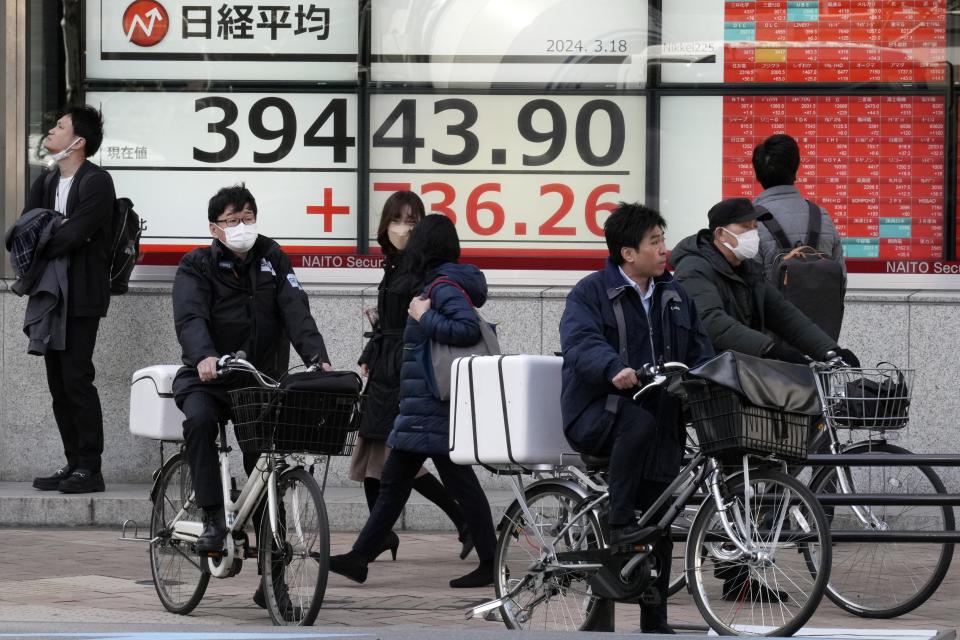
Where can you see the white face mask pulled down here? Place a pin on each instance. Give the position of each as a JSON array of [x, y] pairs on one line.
[[60, 155], [240, 238], [748, 244]]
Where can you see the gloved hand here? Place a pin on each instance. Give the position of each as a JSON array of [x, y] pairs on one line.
[[848, 357]]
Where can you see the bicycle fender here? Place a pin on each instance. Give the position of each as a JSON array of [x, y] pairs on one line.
[[562, 482], [158, 474]]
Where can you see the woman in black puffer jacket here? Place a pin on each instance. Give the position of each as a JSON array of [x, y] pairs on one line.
[[380, 364], [443, 312]]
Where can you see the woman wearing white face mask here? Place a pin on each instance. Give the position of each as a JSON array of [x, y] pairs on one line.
[[738, 307], [380, 364]]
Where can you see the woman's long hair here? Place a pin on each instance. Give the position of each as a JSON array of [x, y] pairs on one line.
[[393, 212], [434, 241]]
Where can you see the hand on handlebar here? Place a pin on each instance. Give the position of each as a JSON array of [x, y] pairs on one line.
[[207, 368], [626, 379]]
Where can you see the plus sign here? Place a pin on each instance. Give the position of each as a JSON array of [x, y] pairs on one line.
[[327, 210]]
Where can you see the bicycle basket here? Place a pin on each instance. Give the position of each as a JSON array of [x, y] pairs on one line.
[[729, 426], [281, 420], [876, 399]]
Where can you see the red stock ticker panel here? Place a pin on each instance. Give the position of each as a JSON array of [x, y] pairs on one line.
[[835, 41], [874, 162]]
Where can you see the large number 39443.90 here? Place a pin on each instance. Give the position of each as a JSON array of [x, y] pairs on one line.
[[487, 217]]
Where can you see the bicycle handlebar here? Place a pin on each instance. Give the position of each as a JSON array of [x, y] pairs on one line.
[[237, 362], [659, 375]]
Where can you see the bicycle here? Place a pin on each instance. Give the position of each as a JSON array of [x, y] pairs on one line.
[[554, 565], [293, 431], [874, 579], [871, 579]]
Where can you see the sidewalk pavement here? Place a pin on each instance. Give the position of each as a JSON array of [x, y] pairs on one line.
[[84, 575]]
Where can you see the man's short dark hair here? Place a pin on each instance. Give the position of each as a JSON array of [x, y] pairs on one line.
[[776, 161], [88, 124], [627, 225], [237, 195]]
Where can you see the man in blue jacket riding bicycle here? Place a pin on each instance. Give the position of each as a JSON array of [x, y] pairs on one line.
[[616, 320]]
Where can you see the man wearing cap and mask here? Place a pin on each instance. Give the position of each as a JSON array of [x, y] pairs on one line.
[[84, 194], [736, 304], [238, 294]]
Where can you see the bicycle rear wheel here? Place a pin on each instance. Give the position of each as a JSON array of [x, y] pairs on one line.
[[178, 575], [547, 600], [295, 573], [772, 595], [883, 579]]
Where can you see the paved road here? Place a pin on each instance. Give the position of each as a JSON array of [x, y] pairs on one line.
[[79, 576]]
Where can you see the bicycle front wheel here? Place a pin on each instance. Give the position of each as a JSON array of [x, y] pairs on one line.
[[885, 579], [775, 590], [294, 572], [546, 599], [178, 576]]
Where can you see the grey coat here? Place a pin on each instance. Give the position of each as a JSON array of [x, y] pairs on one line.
[[790, 209], [46, 282]]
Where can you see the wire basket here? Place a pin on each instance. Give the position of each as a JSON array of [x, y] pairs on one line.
[[729, 426], [877, 399], [279, 420]]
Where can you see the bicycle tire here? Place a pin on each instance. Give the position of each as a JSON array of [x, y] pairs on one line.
[[869, 596], [304, 560], [179, 576], [726, 591], [531, 609]]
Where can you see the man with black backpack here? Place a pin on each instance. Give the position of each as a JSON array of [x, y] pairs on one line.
[[800, 248], [84, 194]]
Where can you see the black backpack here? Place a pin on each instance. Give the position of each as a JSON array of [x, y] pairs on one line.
[[810, 279], [125, 248], [126, 228]]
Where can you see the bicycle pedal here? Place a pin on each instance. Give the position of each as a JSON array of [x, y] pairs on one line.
[[629, 548]]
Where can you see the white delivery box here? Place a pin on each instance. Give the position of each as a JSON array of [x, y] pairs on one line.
[[505, 412], [153, 413]]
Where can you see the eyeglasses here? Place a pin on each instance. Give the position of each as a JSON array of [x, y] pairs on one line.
[[232, 222]]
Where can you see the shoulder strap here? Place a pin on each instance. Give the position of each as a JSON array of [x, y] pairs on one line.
[[445, 280], [621, 328], [813, 231], [775, 229]]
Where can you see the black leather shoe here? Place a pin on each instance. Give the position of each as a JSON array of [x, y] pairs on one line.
[[350, 565], [632, 533], [466, 541], [214, 531], [52, 482], [482, 576], [291, 612], [82, 481], [662, 629], [752, 591]]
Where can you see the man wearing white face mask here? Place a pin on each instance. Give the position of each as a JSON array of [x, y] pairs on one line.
[[238, 294], [735, 302], [84, 194]]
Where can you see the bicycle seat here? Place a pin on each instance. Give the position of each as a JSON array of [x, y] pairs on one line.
[[595, 462]]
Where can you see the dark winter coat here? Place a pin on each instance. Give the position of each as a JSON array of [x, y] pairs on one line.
[[222, 305], [424, 421], [589, 337], [737, 305], [84, 236], [45, 281], [384, 351]]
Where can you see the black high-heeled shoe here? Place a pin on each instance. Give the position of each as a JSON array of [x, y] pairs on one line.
[[391, 542], [466, 541], [350, 565]]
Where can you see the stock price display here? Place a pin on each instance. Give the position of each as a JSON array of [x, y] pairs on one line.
[[517, 174], [169, 152]]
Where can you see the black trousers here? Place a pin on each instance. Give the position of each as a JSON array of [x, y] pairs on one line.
[[652, 616], [396, 482], [76, 404], [632, 449], [204, 411]]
